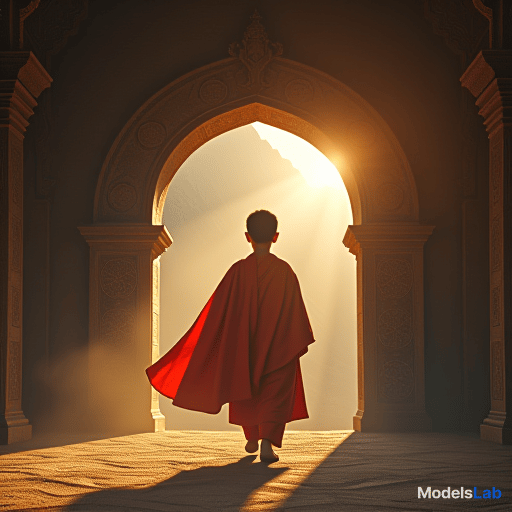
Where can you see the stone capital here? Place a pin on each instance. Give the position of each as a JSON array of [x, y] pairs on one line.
[[23, 80], [128, 236], [377, 236], [487, 66], [489, 79]]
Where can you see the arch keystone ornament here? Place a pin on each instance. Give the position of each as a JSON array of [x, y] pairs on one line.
[[255, 53], [257, 84]]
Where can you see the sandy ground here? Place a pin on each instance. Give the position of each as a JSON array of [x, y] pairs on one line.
[[201, 471]]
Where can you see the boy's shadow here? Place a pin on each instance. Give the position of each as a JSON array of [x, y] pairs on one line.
[[208, 488]]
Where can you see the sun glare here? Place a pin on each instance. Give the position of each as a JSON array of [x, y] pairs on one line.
[[315, 167]]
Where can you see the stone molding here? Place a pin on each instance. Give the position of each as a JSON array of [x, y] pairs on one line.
[[378, 236], [489, 79], [129, 236], [23, 79]]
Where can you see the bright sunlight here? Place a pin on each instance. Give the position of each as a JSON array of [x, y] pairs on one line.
[[315, 167]]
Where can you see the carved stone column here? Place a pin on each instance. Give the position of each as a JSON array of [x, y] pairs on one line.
[[22, 79], [390, 355], [123, 325], [489, 79]]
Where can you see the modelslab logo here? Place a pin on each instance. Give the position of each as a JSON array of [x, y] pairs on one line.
[[462, 493]]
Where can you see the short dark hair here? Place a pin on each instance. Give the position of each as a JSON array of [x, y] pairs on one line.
[[262, 226]]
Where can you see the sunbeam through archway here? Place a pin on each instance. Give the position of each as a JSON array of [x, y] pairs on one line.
[[249, 168]]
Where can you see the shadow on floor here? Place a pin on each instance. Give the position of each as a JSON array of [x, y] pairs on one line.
[[382, 472], [224, 488]]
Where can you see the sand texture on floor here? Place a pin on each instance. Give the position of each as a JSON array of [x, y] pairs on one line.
[[180, 471]]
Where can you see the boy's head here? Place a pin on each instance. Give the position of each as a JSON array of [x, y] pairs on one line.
[[262, 226]]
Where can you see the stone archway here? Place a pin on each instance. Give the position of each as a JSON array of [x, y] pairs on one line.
[[127, 237]]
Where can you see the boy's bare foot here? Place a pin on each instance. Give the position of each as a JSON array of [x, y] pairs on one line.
[[251, 446], [266, 452]]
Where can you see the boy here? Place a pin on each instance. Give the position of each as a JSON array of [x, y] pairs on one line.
[[244, 347]]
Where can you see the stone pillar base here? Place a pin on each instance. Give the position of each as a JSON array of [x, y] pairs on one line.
[[159, 421], [392, 421], [494, 429], [14, 428]]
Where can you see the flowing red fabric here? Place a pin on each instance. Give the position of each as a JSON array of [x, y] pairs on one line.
[[254, 324]]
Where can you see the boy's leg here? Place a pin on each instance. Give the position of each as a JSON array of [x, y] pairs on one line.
[[266, 452], [273, 431], [252, 436]]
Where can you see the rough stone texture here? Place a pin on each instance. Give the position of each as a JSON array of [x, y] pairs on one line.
[[191, 470]]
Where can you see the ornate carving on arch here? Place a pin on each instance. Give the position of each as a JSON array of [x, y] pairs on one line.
[[459, 24], [213, 91], [390, 197], [299, 91], [255, 53], [151, 134], [122, 196], [52, 23], [204, 104]]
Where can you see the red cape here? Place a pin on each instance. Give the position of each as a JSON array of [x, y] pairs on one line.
[[254, 323]]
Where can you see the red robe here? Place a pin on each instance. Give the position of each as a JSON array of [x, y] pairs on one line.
[[254, 324]]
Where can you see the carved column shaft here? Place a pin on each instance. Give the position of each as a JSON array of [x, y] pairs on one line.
[[123, 325], [391, 393], [22, 80], [489, 79]]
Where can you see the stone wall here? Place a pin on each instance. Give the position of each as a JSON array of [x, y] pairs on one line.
[[387, 52]]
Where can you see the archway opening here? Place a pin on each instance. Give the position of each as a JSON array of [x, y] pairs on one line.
[[386, 236], [253, 167]]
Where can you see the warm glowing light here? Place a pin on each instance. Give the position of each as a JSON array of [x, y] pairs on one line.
[[317, 169], [207, 204], [275, 493]]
